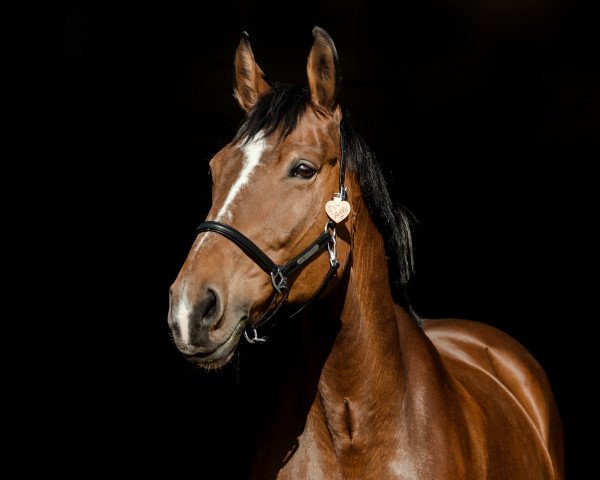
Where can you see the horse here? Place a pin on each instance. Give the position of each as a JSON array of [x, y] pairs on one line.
[[302, 222]]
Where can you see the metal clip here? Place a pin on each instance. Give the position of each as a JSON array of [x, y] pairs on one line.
[[332, 249], [255, 339], [279, 281]]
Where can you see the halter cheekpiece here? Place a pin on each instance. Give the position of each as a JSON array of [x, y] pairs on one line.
[[280, 273]]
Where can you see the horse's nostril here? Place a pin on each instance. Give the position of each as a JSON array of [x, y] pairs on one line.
[[207, 309], [211, 305]]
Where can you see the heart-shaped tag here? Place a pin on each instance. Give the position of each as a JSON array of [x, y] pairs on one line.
[[337, 209]]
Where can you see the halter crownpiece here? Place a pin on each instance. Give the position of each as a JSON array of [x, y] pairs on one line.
[[338, 208]]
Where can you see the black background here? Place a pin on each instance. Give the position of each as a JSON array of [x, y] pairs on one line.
[[484, 115]]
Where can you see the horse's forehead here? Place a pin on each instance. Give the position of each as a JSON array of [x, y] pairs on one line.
[[315, 130], [311, 135], [311, 131], [231, 151]]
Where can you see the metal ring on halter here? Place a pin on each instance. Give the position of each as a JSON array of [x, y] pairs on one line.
[[279, 280]]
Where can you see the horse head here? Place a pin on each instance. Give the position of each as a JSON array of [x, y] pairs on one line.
[[271, 185]]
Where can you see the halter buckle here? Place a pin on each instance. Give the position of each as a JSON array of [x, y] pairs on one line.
[[279, 281]]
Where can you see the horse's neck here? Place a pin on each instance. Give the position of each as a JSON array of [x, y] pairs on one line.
[[359, 364], [368, 377], [366, 363]]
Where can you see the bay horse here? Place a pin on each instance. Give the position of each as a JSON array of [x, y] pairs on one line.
[[301, 217]]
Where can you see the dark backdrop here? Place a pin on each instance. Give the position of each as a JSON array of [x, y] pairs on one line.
[[484, 115]]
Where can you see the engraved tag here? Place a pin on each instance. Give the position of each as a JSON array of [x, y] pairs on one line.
[[337, 209]]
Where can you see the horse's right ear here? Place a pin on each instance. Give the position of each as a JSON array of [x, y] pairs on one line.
[[249, 79], [323, 71]]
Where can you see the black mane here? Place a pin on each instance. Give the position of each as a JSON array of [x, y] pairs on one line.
[[279, 111]]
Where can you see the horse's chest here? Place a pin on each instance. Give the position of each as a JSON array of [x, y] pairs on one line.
[[318, 457]]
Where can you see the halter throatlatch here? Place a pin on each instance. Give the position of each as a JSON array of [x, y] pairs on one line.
[[280, 273]]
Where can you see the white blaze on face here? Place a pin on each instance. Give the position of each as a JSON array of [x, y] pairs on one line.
[[182, 317], [253, 151]]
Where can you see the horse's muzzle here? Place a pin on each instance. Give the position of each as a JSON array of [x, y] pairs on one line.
[[200, 330]]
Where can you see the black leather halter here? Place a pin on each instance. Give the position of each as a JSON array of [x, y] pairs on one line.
[[280, 273]]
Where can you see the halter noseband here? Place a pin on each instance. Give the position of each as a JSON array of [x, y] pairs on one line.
[[280, 273]]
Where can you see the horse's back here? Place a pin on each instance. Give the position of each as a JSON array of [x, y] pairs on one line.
[[470, 349]]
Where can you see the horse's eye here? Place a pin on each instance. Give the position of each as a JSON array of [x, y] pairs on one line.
[[303, 170]]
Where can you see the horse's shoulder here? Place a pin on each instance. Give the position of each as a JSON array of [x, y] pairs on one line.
[[483, 345], [471, 348], [472, 335], [486, 348]]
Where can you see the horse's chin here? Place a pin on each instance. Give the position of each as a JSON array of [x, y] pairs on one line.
[[223, 353]]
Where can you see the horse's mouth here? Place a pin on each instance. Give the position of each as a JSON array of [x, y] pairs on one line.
[[223, 353]]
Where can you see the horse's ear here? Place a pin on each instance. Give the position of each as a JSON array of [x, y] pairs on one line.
[[249, 79], [323, 70]]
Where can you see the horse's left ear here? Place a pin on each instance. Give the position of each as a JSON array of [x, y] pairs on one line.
[[250, 82], [323, 71]]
